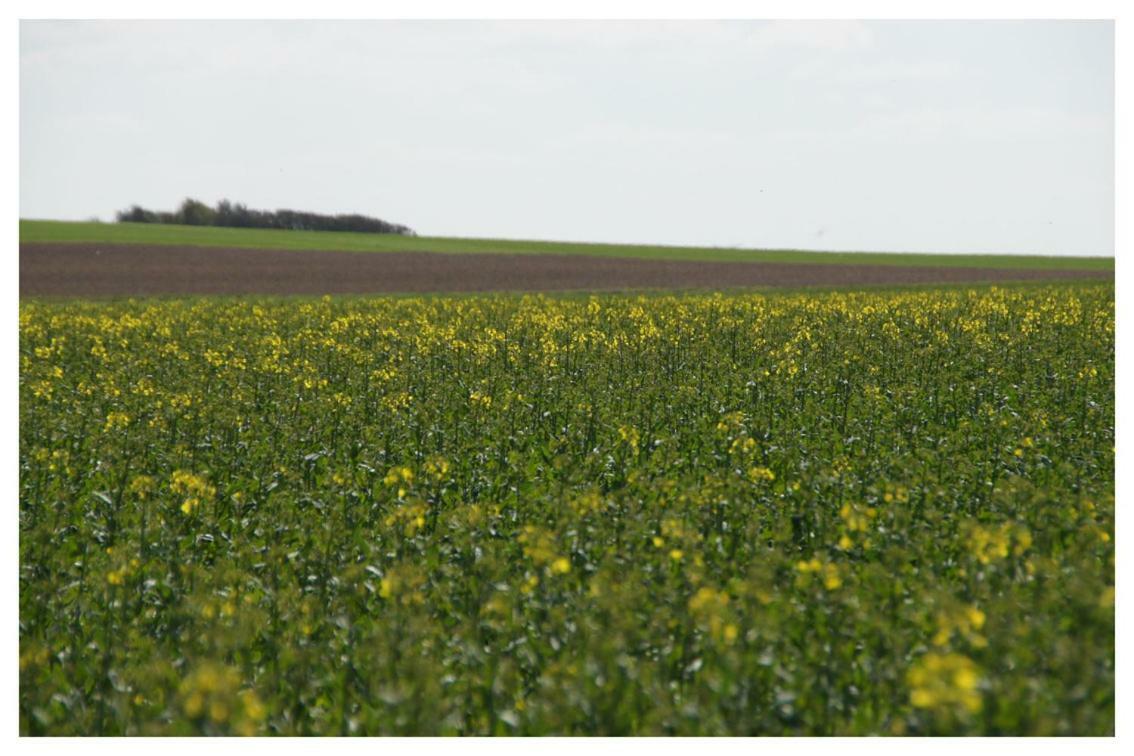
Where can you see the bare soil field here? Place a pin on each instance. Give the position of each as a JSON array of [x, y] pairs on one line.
[[104, 270]]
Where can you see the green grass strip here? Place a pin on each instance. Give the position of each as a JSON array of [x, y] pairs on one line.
[[207, 236]]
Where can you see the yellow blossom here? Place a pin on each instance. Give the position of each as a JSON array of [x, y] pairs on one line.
[[945, 682]]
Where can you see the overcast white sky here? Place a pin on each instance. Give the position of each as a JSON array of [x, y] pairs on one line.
[[985, 136]]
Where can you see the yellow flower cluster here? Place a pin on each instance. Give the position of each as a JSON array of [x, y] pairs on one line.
[[963, 622], [629, 436], [587, 503], [828, 572], [538, 545], [400, 476], [856, 523], [213, 693], [436, 468], [991, 544], [118, 575], [404, 583], [409, 517], [758, 474], [709, 608], [142, 486], [946, 683], [194, 487]]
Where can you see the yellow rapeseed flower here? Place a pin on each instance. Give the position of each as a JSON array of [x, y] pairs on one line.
[[945, 682]]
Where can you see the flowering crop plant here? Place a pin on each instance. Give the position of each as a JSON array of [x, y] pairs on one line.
[[823, 513]]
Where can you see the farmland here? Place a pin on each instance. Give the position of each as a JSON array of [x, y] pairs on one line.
[[158, 235], [98, 270], [60, 259], [876, 512]]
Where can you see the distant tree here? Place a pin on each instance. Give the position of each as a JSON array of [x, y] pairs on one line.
[[195, 213], [132, 214]]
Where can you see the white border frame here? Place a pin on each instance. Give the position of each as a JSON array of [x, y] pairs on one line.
[[1117, 10]]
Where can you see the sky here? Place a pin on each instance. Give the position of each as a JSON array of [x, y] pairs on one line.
[[934, 136]]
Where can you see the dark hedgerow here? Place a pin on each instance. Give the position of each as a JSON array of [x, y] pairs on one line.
[[235, 215]]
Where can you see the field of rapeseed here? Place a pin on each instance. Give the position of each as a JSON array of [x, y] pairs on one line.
[[830, 513]]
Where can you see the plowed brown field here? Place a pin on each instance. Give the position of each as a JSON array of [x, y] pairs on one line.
[[100, 270]]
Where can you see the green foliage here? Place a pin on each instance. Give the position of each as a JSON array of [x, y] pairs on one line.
[[235, 215], [820, 514], [150, 232]]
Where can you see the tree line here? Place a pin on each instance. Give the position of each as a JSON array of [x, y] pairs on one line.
[[235, 215]]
